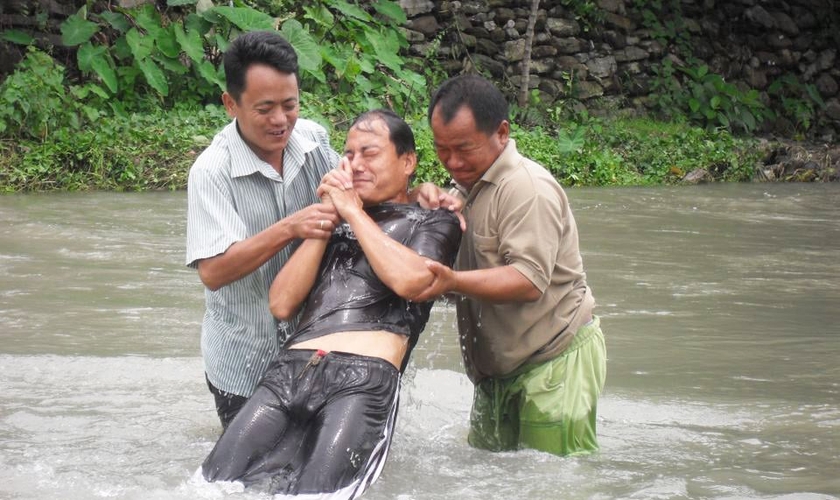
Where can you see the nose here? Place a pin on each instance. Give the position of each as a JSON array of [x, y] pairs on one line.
[[278, 117], [449, 159], [357, 163]]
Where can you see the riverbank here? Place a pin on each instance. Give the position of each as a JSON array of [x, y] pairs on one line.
[[791, 161], [154, 151]]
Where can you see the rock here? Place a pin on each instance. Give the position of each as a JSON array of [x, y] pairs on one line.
[[697, 176]]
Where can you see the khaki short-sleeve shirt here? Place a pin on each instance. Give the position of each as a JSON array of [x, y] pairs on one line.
[[518, 215]]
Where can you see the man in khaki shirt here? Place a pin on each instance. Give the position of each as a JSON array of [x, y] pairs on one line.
[[530, 343]]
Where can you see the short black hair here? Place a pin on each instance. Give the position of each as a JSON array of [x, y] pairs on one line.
[[487, 103], [399, 132], [257, 47]]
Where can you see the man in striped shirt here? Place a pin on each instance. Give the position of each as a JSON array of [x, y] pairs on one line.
[[251, 200]]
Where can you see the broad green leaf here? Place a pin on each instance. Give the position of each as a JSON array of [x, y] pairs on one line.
[[694, 105], [87, 53], [140, 46], [715, 102], [190, 43], [96, 89], [117, 20], [749, 121], [121, 50], [178, 3], [167, 42], [391, 10], [148, 18], [211, 74], [366, 66], [172, 64], [815, 95], [103, 67], [571, 143], [197, 23], [320, 14], [76, 30], [385, 46], [17, 36], [244, 18], [154, 76], [351, 10], [309, 55], [222, 42]]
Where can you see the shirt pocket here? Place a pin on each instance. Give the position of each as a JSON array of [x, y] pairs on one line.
[[487, 251]]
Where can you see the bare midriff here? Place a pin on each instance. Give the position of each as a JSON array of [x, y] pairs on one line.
[[376, 343]]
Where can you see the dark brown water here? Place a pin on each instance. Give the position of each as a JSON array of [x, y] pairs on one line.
[[720, 305]]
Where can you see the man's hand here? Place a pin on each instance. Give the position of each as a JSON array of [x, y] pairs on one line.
[[444, 281], [315, 221], [340, 177], [337, 189], [431, 197]]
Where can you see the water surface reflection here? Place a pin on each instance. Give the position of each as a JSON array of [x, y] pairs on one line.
[[719, 304]]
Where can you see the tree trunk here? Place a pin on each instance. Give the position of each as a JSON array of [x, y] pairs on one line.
[[526, 61]]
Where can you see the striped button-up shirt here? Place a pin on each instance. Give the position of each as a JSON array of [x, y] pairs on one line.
[[233, 195]]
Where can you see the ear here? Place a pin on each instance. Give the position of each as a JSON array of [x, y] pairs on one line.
[[230, 104], [410, 163], [504, 131]]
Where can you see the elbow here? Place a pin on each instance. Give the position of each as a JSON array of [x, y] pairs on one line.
[[531, 295], [281, 310], [209, 280], [415, 290]]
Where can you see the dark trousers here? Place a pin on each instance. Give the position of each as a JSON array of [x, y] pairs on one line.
[[227, 404]]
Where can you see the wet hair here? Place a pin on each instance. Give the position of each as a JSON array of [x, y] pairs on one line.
[[257, 47], [489, 107], [399, 133]]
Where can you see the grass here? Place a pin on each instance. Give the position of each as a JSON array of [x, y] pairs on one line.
[[154, 150]]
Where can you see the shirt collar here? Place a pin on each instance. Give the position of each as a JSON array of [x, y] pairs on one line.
[[505, 162], [247, 162]]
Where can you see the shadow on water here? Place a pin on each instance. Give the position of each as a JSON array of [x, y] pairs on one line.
[[719, 304]]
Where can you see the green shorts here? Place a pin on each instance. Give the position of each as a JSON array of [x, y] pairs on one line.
[[549, 406]]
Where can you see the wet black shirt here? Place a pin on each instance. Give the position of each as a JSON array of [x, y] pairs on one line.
[[348, 295]]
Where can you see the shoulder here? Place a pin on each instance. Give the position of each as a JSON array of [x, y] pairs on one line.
[[310, 129], [530, 181], [217, 156]]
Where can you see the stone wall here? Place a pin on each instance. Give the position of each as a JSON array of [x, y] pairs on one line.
[[749, 42]]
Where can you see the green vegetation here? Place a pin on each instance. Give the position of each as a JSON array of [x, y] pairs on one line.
[[142, 100], [684, 89]]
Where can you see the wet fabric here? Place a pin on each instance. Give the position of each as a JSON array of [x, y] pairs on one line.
[[550, 406], [317, 423], [227, 404], [348, 296], [518, 215]]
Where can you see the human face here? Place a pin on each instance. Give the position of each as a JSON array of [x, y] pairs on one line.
[[266, 112], [466, 152], [379, 174]]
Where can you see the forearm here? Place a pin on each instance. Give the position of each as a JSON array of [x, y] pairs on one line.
[[294, 281], [244, 257], [400, 268], [497, 284]]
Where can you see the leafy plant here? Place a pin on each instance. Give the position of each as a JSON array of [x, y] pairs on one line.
[[797, 101], [354, 55], [706, 99], [38, 101]]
